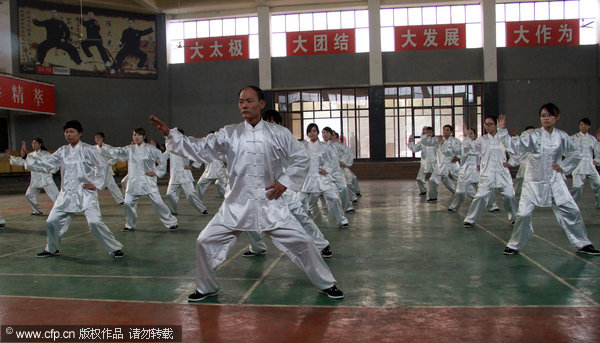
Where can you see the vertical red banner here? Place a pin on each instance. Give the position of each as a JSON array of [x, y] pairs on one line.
[[217, 49], [540, 33], [321, 42], [25, 95], [430, 37]]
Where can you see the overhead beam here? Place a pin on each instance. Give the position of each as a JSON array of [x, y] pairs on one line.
[[149, 5]]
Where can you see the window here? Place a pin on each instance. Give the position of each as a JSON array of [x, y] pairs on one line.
[[584, 10], [345, 111], [434, 15], [280, 24], [177, 31], [409, 108]]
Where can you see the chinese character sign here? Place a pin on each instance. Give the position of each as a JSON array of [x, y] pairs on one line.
[[216, 49], [547, 32], [320, 42], [430, 37], [24, 95]]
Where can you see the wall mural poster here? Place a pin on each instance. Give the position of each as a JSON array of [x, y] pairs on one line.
[[69, 40]]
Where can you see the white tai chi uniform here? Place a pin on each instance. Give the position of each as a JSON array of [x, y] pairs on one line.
[[214, 172], [39, 180], [78, 165], [347, 158], [181, 178], [468, 177], [545, 187], [2, 222], [521, 161], [588, 146], [115, 191], [493, 174], [339, 155], [322, 157], [257, 156], [444, 166], [141, 159], [428, 161]]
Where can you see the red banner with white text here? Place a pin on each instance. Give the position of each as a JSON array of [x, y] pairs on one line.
[[321, 42], [217, 49], [540, 33], [25, 95], [430, 37]]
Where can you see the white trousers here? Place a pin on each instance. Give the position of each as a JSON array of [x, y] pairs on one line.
[[58, 222], [215, 241], [434, 181], [465, 188], [114, 189], [203, 184], [578, 182], [190, 194], [568, 216], [342, 187], [159, 206], [32, 196], [483, 197], [421, 176], [334, 204]]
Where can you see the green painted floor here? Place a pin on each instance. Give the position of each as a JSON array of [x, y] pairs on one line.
[[398, 252]]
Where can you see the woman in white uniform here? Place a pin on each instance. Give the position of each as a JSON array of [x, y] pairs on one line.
[[39, 180], [586, 169], [428, 157]]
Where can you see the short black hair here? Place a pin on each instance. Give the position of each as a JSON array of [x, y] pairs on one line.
[[261, 94], [310, 126], [586, 121], [328, 129], [73, 124], [529, 127], [99, 133], [552, 109], [450, 126], [492, 117], [272, 115]]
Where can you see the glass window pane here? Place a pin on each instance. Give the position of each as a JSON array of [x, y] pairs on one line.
[[387, 17], [333, 20], [500, 34], [177, 55], [203, 29], [362, 40], [347, 19], [556, 10], [362, 19], [443, 15], [500, 12], [320, 21], [572, 10], [429, 16], [253, 46], [175, 30], [542, 11], [400, 17], [587, 8], [527, 11], [414, 16], [387, 39], [473, 13], [278, 23], [253, 25], [306, 22], [242, 26], [189, 29], [278, 45], [292, 22], [216, 28], [474, 39], [458, 14], [228, 27], [512, 12]]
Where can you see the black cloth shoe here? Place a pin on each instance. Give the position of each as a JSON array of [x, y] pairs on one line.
[[431, 200], [205, 212], [451, 210], [509, 251], [251, 253], [358, 194], [128, 229], [174, 213], [345, 226], [588, 249], [197, 296], [496, 210], [467, 225], [2, 226], [37, 213], [47, 254], [350, 211], [174, 228], [326, 252], [422, 193], [118, 254], [333, 292]]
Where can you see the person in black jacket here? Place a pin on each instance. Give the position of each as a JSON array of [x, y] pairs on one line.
[[57, 36], [92, 29], [130, 42]]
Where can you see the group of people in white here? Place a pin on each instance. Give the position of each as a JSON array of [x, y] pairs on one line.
[[270, 187], [545, 155]]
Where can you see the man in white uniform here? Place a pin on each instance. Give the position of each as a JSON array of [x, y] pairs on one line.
[[428, 157], [588, 146], [264, 159], [115, 191], [544, 184], [213, 172], [447, 157], [82, 174], [493, 174]]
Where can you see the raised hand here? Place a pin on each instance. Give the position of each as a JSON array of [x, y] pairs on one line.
[[157, 123], [411, 139], [502, 121]]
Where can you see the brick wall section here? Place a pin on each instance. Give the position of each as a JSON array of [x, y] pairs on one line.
[[385, 170]]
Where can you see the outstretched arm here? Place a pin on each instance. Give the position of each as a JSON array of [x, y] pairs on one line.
[[157, 123]]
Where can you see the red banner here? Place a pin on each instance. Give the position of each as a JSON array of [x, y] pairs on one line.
[[430, 37], [25, 95], [217, 49], [547, 32], [321, 42]]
